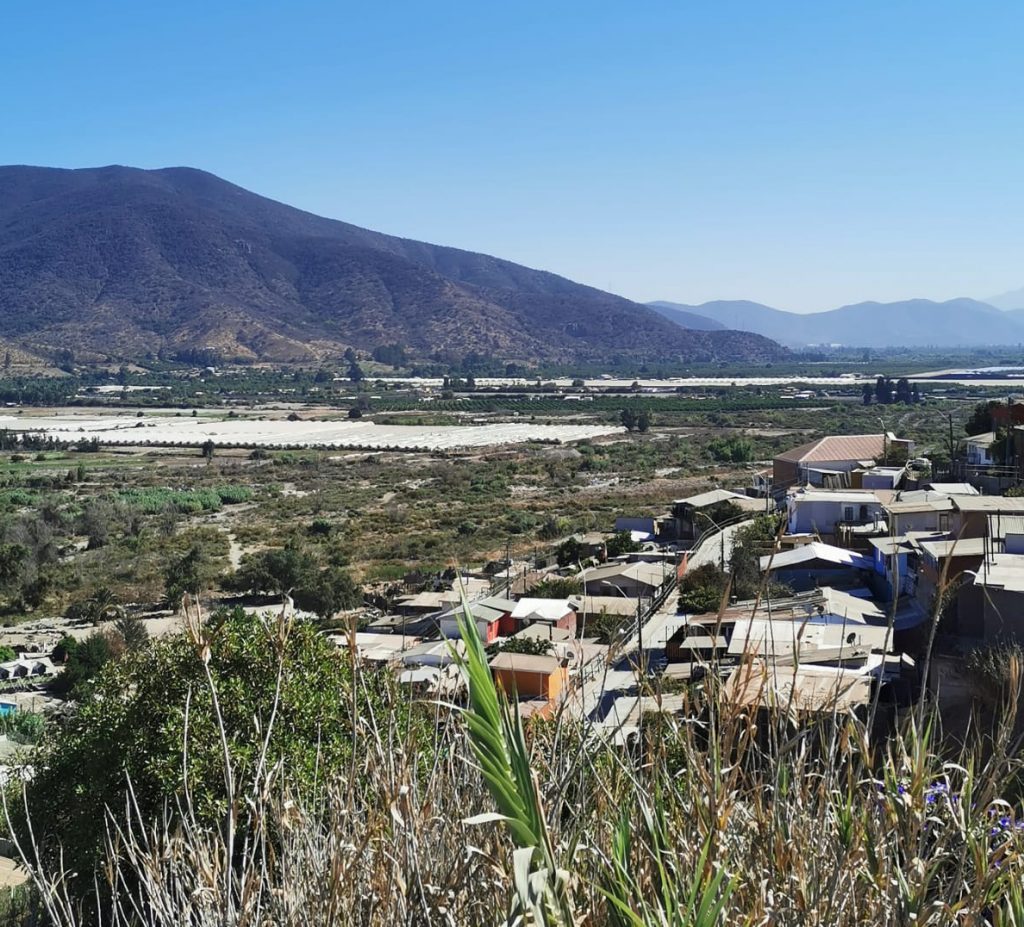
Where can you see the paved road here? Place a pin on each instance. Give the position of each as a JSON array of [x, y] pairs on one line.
[[711, 550], [606, 683]]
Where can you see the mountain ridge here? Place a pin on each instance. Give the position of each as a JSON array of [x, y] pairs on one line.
[[124, 263], [912, 323]]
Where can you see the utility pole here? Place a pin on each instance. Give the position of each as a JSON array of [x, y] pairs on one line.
[[951, 461], [508, 568]]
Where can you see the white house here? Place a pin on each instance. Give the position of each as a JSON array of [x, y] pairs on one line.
[[820, 511], [978, 449]]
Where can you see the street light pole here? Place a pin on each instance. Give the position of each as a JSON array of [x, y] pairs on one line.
[[721, 537]]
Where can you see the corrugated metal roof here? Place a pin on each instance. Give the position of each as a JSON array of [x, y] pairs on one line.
[[989, 503], [1000, 525], [1005, 571], [816, 551], [838, 447], [526, 663], [714, 496], [759, 684]]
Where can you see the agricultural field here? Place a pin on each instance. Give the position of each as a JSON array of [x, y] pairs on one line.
[[292, 432]]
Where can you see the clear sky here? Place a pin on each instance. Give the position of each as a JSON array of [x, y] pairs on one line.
[[800, 154]]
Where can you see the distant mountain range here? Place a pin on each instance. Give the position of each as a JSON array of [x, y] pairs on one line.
[[911, 323], [122, 264]]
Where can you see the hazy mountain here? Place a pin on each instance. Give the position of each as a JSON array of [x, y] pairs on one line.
[[913, 323], [682, 315], [122, 263], [1014, 299]]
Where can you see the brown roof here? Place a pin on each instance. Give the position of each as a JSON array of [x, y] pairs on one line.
[[838, 447]]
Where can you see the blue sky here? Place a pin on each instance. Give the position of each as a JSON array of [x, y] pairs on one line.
[[800, 154]]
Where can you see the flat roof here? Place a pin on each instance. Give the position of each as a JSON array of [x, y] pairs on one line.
[[609, 604], [955, 489], [526, 663], [953, 547], [1002, 571], [760, 684], [855, 496], [989, 503], [1000, 525], [920, 505]]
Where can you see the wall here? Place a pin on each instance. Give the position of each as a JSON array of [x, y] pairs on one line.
[[532, 685]]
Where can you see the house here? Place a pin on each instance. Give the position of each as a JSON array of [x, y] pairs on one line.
[[943, 559], [812, 565], [377, 648], [639, 529], [971, 513], [1006, 532], [879, 477], [425, 603], [832, 514], [990, 607], [492, 617], [544, 632], [689, 644], [602, 605], [694, 515], [432, 653], [919, 511], [953, 489], [530, 676], [895, 562], [631, 580], [763, 684], [978, 449], [825, 606], [557, 613], [830, 461], [839, 636]]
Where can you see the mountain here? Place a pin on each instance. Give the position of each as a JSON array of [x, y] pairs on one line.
[[119, 263], [1014, 299], [742, 315], [910, 323], [681, 315]]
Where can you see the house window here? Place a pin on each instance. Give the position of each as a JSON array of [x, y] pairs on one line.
[[863, 513], [848, 513]]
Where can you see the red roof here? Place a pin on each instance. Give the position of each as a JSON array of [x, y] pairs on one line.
[[838, 447]]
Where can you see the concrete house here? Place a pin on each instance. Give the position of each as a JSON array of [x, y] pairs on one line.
[[825, 512]]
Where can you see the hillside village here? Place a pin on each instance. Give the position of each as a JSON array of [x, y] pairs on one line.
[[843, 578], [870, 576]]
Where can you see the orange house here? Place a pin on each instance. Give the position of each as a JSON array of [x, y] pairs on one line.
[[531, 676]]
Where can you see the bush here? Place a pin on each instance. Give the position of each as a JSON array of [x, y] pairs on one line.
[[133, 726], [701, 589]]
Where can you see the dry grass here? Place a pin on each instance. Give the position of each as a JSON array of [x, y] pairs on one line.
[[720, 816]]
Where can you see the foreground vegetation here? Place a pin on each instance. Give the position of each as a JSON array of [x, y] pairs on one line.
[[720, 815]]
